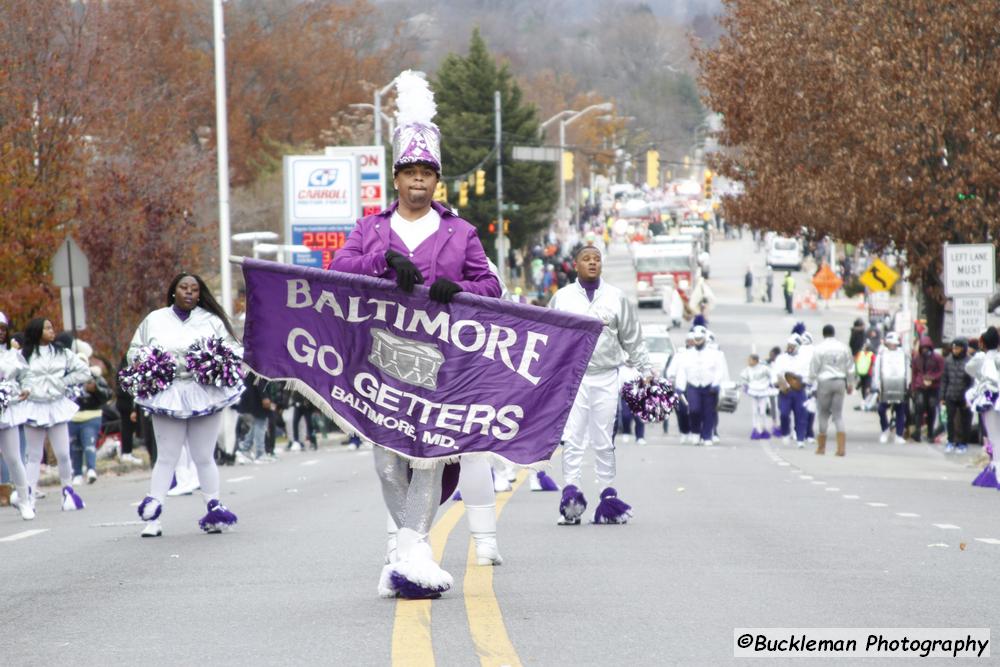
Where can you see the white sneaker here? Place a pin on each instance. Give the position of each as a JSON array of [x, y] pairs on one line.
[[786, 440], [152, 529], [800, 444], [626, 437], [899, 440], [91, 476], [640, 441], [884, 438], [77, 480], [708, 443], [185, 489], [24, 507], [242, 459], [130, 458], [716, 439], [501, 484], [296, 446]]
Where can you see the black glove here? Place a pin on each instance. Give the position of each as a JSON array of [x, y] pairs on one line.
[[407, 275], [443, 289]]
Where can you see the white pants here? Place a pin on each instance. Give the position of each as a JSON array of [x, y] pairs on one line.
[[759, 405], [591, 419], [991, 420], [200, 435], [10, 448], [59, 437]]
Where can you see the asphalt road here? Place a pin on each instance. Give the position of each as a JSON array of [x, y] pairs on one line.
[[739, 535]]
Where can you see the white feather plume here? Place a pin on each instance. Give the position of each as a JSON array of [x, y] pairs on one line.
[[414, 100]]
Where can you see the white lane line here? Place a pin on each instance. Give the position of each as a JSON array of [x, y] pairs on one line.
[[783, 463], [805, 476], [310, 463], [239, 479], [850, 497], [908, 515], [938, 544], [23, 534], [819, 482], [988, 540], [876, 504], [947, 526], [116, 524], [135, 504], [832, 488]]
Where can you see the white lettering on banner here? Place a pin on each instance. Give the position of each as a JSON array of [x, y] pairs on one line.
[[488, 339], [302, 347], [502, 424]]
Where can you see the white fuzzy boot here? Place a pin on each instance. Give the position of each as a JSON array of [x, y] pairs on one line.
[[483, 526], [415, 575]]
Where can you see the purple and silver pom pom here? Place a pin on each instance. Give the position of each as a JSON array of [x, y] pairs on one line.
[[612, 509], [8, 392], [214, 363], [153, 371], [650, 402], [150, 509], [987, 478]]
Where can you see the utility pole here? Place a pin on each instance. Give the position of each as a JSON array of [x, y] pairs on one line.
[[222, 151], [501, 241]]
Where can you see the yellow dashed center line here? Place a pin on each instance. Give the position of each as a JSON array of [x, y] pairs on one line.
[[411, 632], [485, 619]]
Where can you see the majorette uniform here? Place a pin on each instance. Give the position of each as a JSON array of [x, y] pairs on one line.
[[12, 371]]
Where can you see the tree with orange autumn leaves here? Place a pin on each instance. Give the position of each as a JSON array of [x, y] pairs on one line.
[[107, 133], [871, 122]]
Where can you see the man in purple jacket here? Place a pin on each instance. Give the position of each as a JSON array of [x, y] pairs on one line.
[[417, 240]]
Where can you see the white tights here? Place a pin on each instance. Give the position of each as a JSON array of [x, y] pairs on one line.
[[59, 437], [200, 434], [759, 404], [991, 420], [10, 448]]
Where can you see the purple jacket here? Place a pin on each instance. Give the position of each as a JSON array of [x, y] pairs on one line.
[[456, 253]]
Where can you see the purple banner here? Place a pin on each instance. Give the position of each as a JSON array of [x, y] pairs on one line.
[[425, 379]]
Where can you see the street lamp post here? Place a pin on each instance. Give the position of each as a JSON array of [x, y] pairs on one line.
[[386, 118], [563, 122], [255, 238], [222, 153]]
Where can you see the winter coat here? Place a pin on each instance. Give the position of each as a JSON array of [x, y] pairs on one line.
[[955, 382], [930, 367], [455, 252]]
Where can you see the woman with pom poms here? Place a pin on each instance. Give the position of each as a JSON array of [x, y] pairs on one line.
[[192, 388], [12, 415], [53, 372]]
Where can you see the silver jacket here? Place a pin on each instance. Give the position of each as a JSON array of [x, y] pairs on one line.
[[831, 360], [13, 368], [52, 371], [165, 329], [621, 337]]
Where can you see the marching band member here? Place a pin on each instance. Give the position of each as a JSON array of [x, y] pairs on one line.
[[702, 374], [418, 240], [186, 412], [53, 371], [12, 370], [890, 378], [758, 382], [790, 373], [683, 418], [593, 413]]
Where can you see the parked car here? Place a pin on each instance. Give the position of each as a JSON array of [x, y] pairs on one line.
[[784, 253], [658, 345]]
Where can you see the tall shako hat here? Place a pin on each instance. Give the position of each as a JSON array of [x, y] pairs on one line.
[[417, 140]]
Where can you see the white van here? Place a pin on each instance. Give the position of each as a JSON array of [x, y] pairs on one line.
[[784, 253]]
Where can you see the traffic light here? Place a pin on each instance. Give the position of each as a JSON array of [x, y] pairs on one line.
[[480, 182], [567, 166], [708, 184], [463, 194], [653, 169], [506, 226], [493, 227], [441, 192]]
